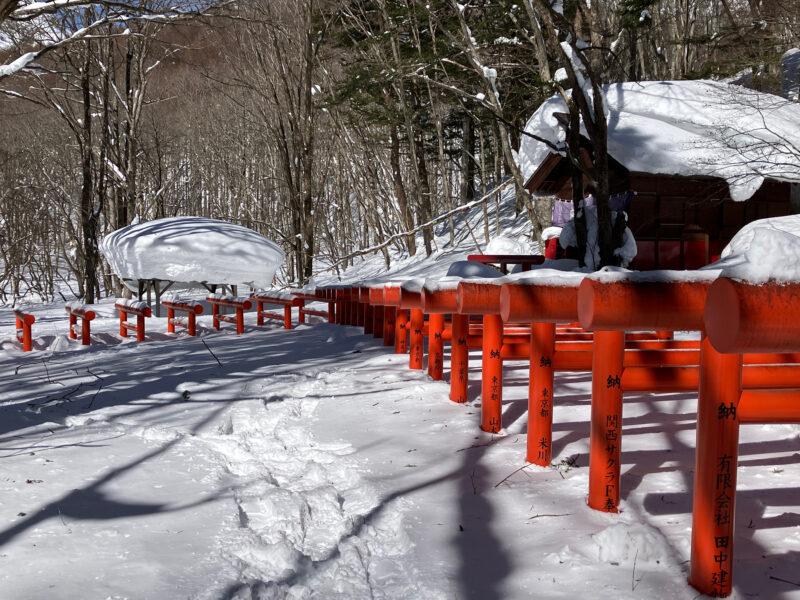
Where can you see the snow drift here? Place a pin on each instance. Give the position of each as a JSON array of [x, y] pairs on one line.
[[764, 250], [193, 249]]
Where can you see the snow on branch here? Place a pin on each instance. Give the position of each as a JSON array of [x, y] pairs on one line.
[[123, 13], [438, 219]]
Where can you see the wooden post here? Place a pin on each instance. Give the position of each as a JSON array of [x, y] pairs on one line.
[[716, 459], [436, 346], [389, 317], [416, 339], [215, 315], [459, 358], [401, 331], [24, 322], [606, 421], [170, 320], [492, 377], [540, 393]]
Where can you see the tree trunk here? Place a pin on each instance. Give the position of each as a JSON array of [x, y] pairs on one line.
[[89, 214], [467, 162], [424, 193], [400, 190]]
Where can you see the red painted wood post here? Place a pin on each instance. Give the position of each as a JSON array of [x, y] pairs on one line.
[[389, 318], [140, 313], [543, 306], [287, 316], [355, 307], [352, 305], [24, 336], [86, 328], [326, 295], [192, 326], [345, 305], [436, 346], [369, 319], [401, 331], [339, 294], [377, 321], [459, 358], [416, 339], [540, 393], [259, 312], [482, 298], [239, 305], [140, 327], [240, 320], [360, 311], [85, 316], [606, 420], [215, 315], [192, 309], [301, 315], [392, 295], [716, 458], [492, 374]]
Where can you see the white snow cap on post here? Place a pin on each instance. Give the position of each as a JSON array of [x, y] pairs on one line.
[[193, 249], [764, 250], [501, 244], [686, 128]]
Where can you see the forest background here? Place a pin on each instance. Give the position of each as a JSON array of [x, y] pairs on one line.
[[333, 128]]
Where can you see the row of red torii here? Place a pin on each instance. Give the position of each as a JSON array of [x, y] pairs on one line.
[[180, 313], [743, 369]]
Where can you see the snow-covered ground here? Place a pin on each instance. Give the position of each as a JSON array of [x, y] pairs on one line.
[[313, 463]]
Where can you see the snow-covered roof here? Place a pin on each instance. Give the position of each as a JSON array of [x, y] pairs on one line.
[[193, 249], [686, 128]]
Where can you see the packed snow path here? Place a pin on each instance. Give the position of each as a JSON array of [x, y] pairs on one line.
[[313, 463]]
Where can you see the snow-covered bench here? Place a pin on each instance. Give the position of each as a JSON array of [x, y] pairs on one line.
[[238, 303], [190, 307], [303, 312], [274, 297], [132, 307], [77, 311]]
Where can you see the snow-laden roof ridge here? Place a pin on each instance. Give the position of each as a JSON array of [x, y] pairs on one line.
[[689, 128]]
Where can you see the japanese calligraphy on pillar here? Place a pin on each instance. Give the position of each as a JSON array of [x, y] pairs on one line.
[[494, 389], [416, 346], [723, 517], [438, 362], [612, 467]]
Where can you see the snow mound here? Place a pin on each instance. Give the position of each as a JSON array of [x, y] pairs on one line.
[[623, 542], [551, 232], [469, 269], [687, 128], [505, 245], [193, 249], [569, 237], [764, 250]]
